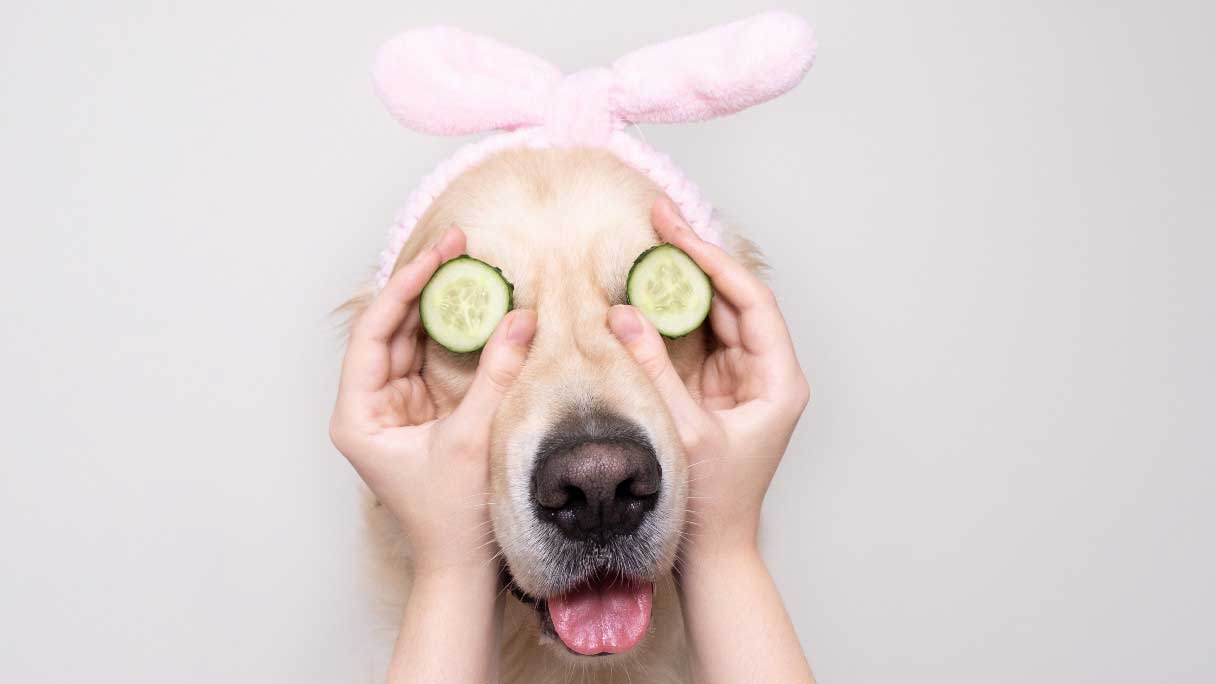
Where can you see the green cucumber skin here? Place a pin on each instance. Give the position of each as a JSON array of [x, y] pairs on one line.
[[464, 257], [629, 300]]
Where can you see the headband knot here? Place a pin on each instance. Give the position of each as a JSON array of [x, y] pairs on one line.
[[579, 109]]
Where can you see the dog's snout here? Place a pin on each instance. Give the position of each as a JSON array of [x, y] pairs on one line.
[[595, 484], [597, 490]]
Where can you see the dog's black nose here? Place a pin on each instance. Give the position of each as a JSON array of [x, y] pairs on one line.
[[593, 485]]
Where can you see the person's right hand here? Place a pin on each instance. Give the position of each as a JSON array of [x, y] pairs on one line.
[[752, 392], [431, 472]]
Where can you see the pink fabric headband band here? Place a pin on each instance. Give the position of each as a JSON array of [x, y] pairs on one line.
[[446, 81]]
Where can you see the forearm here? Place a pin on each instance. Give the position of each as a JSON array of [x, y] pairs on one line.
[[737, 628], [450, 630]]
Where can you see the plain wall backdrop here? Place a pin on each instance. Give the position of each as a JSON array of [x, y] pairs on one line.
[[991, 226]]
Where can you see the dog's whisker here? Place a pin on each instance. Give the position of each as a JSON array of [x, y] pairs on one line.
[[474, 495]]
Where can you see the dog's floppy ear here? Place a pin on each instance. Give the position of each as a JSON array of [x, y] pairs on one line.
[[446, 81], [716, 72]]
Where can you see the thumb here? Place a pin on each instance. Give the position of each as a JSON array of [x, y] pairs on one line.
[[643, 343], [499, 365]]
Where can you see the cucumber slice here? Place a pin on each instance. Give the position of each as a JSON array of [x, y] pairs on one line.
[[670, 290], [462, 303]]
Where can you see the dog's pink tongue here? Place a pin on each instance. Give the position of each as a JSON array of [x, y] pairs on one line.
[[609, 616]]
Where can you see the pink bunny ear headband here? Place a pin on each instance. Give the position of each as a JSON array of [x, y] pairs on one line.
[[446, 81]]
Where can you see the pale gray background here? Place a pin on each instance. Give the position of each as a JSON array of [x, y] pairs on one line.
[[992, 229]]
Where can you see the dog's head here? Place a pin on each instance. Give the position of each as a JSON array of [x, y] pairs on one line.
[[589, 478]]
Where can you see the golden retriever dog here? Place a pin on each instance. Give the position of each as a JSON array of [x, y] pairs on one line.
[[564, 225]]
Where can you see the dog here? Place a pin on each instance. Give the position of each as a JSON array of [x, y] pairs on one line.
[[565, 225]]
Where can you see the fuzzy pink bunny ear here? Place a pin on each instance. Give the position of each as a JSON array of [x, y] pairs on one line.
[[716, 72], [446, 81]]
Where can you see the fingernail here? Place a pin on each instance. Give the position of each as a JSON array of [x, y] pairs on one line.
[[625, 323], [521, 327]]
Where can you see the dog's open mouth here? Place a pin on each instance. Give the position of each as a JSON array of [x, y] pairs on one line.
[[605, 615]]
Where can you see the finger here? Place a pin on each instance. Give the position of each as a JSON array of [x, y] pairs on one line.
[[404, 353], [419, 407], [369, 360], [760, 327], [387, 312], [724, 321], [646, 347], [500, 363], [731, 279]]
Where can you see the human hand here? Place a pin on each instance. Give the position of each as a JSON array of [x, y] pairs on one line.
[[752, 392], [431, 471]]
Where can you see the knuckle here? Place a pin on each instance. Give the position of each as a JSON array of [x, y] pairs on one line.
[[656, 366], [339, 433], [798, 397], [500, 378], [459, 443], [358, 327], [802, 393], [695, 433], [464, 439], [765, 296], [653, 359], [692, 440]]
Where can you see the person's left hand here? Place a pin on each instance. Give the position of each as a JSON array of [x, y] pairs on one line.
[[752, 393]]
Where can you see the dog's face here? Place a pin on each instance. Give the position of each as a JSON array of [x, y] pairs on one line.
[[588, 476]]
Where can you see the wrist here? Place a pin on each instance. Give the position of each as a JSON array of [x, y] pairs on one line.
[[719, 534], [451, 626], [710, 554], [709, 574], [444, 553], [457, 577], [467, 592]]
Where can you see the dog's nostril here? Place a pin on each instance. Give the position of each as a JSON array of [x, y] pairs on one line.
[[574, 496], [625, 489], [594, 490]]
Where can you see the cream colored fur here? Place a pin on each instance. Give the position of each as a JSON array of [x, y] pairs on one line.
[[564, 226]]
